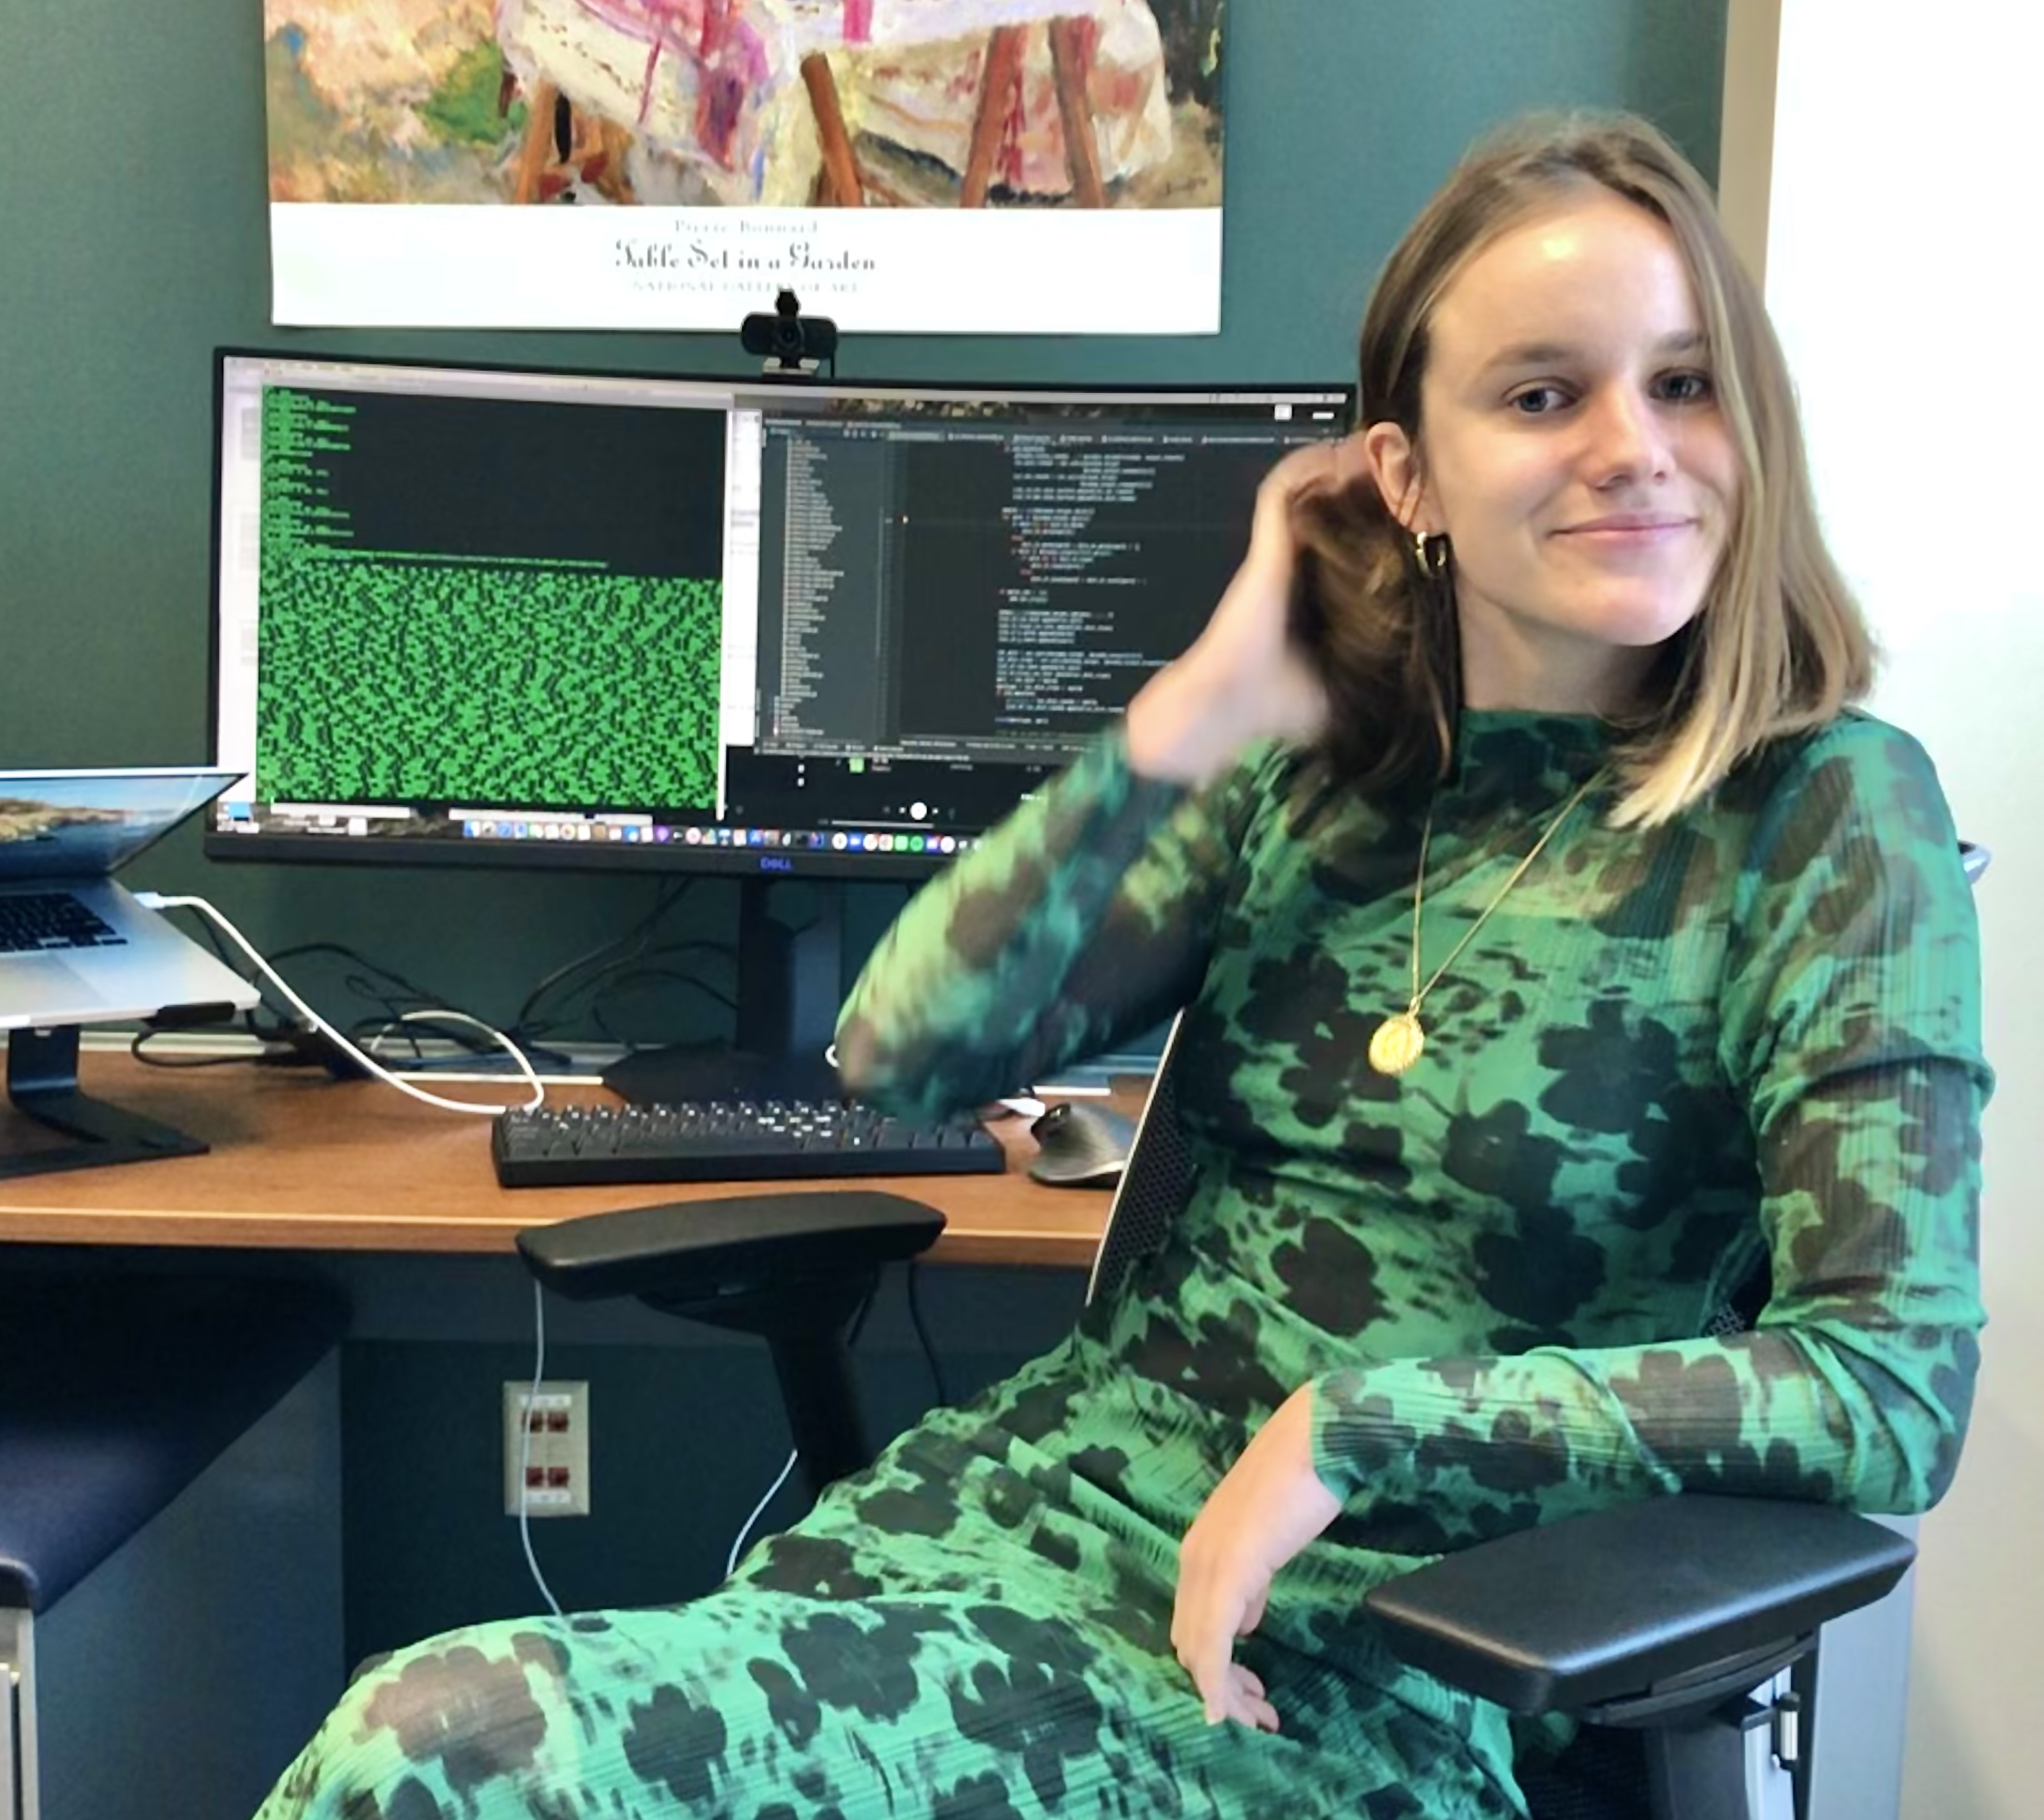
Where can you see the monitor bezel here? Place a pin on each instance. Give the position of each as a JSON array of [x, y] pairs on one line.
[[702, 859]]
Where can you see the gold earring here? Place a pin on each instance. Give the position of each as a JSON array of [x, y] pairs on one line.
[[1431, 552]]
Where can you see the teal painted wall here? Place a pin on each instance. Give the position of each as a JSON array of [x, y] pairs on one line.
[[686, 1430], [133, 240]]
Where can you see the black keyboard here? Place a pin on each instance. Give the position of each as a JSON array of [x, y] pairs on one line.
[[729, 1140], [34, 919]]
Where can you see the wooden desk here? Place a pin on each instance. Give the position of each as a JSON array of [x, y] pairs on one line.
[[301, 1163]]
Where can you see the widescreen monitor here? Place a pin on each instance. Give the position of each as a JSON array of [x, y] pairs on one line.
[[514, 616]]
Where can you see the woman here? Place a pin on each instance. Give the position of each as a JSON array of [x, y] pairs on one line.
[[1556, 949]]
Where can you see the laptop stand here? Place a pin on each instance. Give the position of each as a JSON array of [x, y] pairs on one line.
[[42, 1083]]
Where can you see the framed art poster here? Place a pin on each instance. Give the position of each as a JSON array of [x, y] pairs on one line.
[[932, 165]]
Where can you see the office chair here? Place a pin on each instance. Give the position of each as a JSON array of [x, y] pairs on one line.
[[1660, 1620], [1673, 1631]]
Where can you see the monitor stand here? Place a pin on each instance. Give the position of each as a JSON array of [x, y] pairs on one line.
[[42, 1083], [790, 983]]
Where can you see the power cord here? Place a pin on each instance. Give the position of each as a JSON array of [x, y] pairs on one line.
[[366, 978], [637, 976], [745, 1529], [632, 943], [923, 1333], [636, 957], [156, 901], [525, 1450]]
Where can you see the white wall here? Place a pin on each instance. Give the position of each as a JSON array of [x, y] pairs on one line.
[[1901, 223]]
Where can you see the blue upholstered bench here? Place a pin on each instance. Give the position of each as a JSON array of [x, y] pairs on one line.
[[115, 1392]]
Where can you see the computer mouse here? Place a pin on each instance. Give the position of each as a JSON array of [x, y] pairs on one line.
[[1082, 1145]]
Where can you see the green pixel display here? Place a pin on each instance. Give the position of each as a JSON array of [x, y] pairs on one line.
[[387, 681]]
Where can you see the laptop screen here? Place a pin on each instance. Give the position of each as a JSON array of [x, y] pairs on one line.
[[82, 825]]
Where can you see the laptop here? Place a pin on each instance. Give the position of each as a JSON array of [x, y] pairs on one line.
[[75, 946]]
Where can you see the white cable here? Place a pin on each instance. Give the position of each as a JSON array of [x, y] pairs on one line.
[[156, 901], [738, 1542], [525, 1450]]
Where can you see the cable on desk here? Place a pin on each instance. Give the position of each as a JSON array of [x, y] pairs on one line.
[[137, 1049], [266, 1035], [157, 900], [398, 996]]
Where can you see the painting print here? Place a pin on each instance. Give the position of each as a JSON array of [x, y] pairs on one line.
[[969, 166]]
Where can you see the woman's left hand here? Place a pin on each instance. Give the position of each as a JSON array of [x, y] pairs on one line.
[[1268, 1507]]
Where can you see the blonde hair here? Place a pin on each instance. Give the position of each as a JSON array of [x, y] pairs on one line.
[[1779, 645]]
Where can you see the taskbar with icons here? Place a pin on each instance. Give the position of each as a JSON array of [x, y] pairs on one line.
[[630, 831]]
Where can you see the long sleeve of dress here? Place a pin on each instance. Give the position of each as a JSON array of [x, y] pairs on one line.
[[1085, 917], [1848, 1027]]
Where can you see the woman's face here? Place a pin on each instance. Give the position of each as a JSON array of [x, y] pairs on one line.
[[1574, 452]]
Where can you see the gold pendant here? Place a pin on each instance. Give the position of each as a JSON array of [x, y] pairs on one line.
[[1396, 1043]]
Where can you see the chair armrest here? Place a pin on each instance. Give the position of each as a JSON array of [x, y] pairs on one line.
[[1615, 1603], [693, 1251], [793, 1267]]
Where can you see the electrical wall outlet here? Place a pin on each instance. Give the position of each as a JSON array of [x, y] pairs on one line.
[[546, 1448]]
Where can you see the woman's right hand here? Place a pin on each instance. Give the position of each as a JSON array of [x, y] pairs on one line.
[[1245, 677]]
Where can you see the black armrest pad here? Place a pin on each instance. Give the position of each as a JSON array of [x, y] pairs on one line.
[[1601, 1605], [684, 1249], [115, 1392]]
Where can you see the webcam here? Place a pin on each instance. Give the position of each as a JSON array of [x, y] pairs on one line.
[[791, 342]]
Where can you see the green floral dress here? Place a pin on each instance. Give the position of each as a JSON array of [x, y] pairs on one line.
[[1672, 1058]]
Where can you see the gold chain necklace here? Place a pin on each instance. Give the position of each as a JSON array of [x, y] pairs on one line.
[[1399, 1040]]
